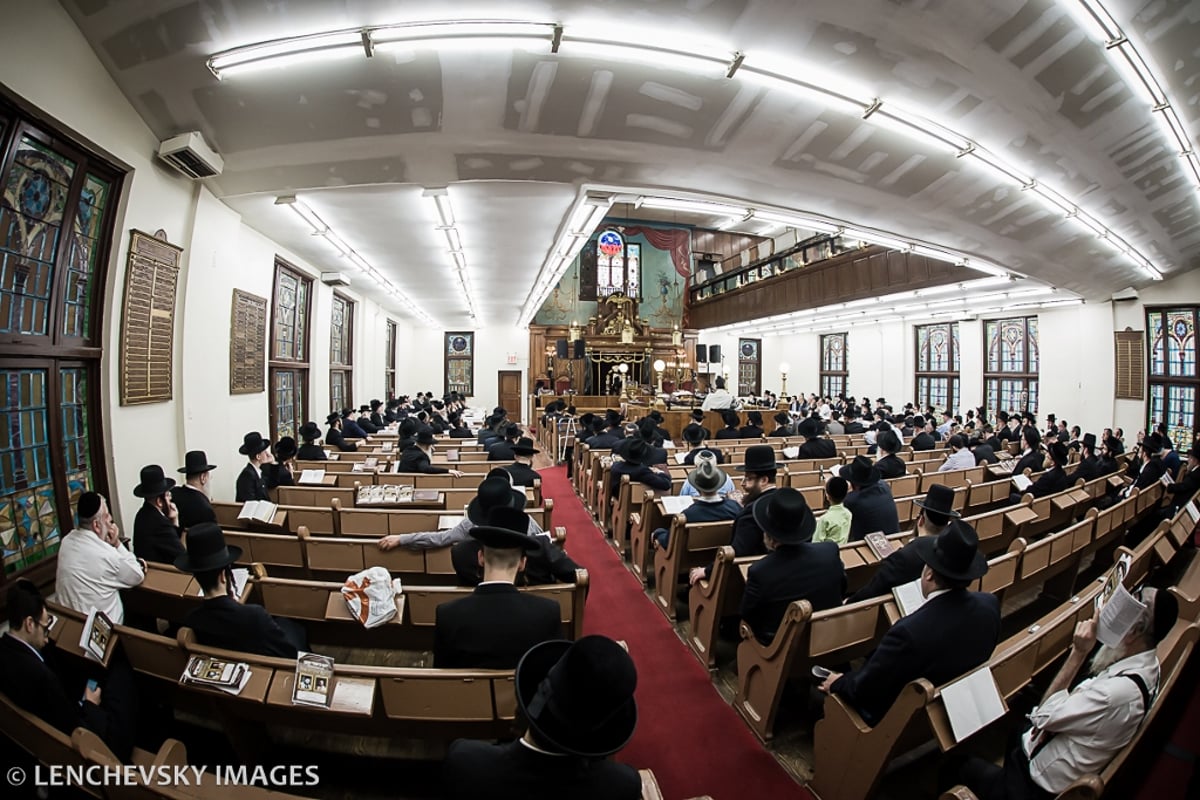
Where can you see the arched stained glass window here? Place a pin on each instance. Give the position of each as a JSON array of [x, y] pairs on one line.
[[1011, 360], [835, 369], [938, 366], [618, 266]]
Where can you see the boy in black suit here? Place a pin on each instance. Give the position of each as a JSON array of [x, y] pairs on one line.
[[251, 485]]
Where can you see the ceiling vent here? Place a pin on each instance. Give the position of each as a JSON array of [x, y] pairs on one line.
[[334, 279], [191, 155]]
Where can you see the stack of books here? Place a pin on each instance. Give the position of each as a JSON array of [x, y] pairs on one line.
[[228, 676]]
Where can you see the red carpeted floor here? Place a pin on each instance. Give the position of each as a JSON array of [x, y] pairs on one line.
[[693, 741]]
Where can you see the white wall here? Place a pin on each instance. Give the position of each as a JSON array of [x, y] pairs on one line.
[[422, 369]]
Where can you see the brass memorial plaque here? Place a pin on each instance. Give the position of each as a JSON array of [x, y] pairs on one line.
[[247, 343], [148, 323]]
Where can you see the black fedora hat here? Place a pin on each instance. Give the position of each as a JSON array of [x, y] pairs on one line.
[[759, 458], [309, 432], [525, 447], [1058, 453], [693, 433], [507, 528], [375, 404], [635, 450], [1089, 441], [785, 516], [783, 418], [860, 471], [954, 552], [195, 462], [425, 437], [493, 493], [809, 428], [153, 482], [578, 696], [206, 549], [285, 448], [332, 418], [940, 500], [253, 443]]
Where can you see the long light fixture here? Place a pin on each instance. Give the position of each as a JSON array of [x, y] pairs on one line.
[[582, 220], [440, 196], [345, 251], [1137, 73], [764, 69]]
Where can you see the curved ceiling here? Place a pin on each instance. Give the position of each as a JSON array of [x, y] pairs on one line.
[[519, 134]]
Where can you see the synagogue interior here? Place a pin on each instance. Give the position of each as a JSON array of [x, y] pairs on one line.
[[676, 399]]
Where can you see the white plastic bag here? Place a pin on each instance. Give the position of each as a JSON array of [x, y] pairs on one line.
[[371, 596]]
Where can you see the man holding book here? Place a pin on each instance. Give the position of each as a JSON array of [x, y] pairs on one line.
[[222, 621], [93, 565]]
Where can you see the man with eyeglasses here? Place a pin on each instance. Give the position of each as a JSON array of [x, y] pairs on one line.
[[28, 677]]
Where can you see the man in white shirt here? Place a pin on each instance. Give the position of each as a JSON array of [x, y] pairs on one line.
[[1077, 732], [961, 458], [718, 399], [93, 565]]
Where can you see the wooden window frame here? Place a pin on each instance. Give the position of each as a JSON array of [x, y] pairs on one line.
[[389, 370], [343, 369], [954, 376], [1167, 381], [1027, 377], [826, 375], [274, 364]]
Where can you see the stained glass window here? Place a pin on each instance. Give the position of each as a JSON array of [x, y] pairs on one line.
[[289, 350], [1173, 377], [835, 369], [619, 271], [1011, 360], [341, 352], [86, 230], [73, 388], [938, 366], [459, 362], [749, 367], [29, 525], [389, 377]]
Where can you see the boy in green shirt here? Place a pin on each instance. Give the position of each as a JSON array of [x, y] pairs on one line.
[[834, 524]]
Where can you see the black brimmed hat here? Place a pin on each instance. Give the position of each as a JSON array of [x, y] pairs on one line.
[[206, 549], [860, 471], [195, 462], [153, 483], [809, 428], [525, 447], [693, 433], [759, 458], [785, 516], [504, 539], [953, 553], [309, 432], [493, 493], [253, 443], [332, 418], [578, 696], [425, 437], [940, 500], [635, 450], [285, 448]]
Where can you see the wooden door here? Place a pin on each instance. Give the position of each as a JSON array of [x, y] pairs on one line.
[[509, 383]]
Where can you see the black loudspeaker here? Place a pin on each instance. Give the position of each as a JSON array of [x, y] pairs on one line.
[[701, 354], [562, 348], [714, 354], [580, 348]]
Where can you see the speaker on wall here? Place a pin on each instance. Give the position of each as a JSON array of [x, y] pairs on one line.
[[562, 348], [701, 354], [714, 354], [580, 346]]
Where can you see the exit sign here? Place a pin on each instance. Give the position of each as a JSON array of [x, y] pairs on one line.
[[512, 358]]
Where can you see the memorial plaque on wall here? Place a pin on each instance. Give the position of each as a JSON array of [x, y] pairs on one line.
[[247, 343], [148, 321]]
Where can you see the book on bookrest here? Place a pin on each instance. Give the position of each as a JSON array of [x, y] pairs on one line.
[[674, 504], [97, 631], [880, 545], [452, 456], [425, 495], [312, 476], [1022, 482], [1193, 512], [972, 702], [258, 510], [228, 676], [791, 452], [314, 680], [448, 521]]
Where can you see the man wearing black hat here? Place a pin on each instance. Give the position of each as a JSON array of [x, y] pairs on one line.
[[156, 526], [783, 425], [376, 417], [503, 449], [1032, 458], [612, 434], [694, 435], [1054, 479], [334, 436], [905, 565], [953, 632], [732, 429], [815, 445], [350, 426], [794, 568], [549, 563], [753, 428], [870, 504], [634, 454], [494, 627], [698, 419], [852, 425], [456, 429], [415, 458], [192, 498], [1089, 462], [1148, 466], [522, 471], [891, 465], [310, 450], [923, 438], [1076, 731], [1189, 483], [251, 485], [493, 492], [578, 700], [364, 421], [759, 471], [93, 564], [222, 621]]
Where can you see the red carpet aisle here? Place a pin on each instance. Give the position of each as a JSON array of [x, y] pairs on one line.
[[695, 743]]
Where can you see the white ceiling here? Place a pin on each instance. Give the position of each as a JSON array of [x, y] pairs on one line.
[[516, 135]]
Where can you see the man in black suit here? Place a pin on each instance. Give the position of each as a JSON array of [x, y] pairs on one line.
[[156, 526], [905, 565], [612, 432], [815, 445], [578, 700], [310, 450], [1032, 458], [698, 419], [350, 426], [694, 435], [783, 425], [1054, 479], [222, 621], [334, 436], [549, 563], [1182, 491], [29, 679], [852, 423], [871, 504], [251, 485], [503, 449], [415, 458], [1089, 462], [521, 470], [953, 632], [891, 465], [753, 428], [191, 498], [1148, 466], [923, 438], [793, 569], [634, 454], [984, 453], [279, 471], [376, 418], [759, 471], [732, 422], [494, 627], [457, 430]]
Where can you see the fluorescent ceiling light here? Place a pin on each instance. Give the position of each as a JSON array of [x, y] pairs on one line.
[[794, 77], [697, 206], [997, 165], [661, 57], [1169, 120], [452, 239], [1051, 199], [897, 119], [875, 238], [461, 29], [1095, 18], [282, 51], [1137, 74], [796, 221]]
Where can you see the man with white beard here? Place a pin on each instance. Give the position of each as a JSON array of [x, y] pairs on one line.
[[1077, 732]]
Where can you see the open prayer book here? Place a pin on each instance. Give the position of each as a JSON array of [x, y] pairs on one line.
[[680, 456], [1192, 512], [1022, 482], [791, 452], [260, 510], [673, 504], [448, 521], [97, 630], [312, 476], [240, 577], [909, 597], [314, 680], [1116, 609], [228, 676], [972, 702]]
